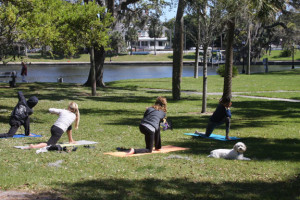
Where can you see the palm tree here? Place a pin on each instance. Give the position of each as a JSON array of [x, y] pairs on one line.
[[178, 51], [262, 8]]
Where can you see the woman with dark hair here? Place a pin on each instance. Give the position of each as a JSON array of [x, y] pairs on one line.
[[221, 115], [150, 126]]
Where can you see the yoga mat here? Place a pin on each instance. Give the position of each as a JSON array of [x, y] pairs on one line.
[[80, 142], [164, 149], [212, 136], [23, 135]]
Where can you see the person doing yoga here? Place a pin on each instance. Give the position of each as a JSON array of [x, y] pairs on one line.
[[150, 126], [62, 124], [221, 115], [20, 115]]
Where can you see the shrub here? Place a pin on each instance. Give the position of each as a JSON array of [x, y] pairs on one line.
[[221, 71], [286, 53]]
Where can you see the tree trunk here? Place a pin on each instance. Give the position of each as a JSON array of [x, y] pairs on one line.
[[154, 45], [196, 68], [249, 50], [204, 91], [99, 57], [229, 58], [93, 78], [178, 51]]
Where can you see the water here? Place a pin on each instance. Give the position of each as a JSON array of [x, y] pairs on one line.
[[79, 73]]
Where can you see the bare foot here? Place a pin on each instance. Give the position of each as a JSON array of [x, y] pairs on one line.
[[228, 138], [130, 152], [157, 149]]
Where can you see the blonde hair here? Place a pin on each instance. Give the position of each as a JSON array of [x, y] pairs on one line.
[[160, 104], [73, 107]]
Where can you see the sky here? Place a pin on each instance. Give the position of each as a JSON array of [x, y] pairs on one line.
[[169, 12], [168, 15]]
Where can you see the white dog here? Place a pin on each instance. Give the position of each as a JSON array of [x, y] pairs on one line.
[[234, 154]]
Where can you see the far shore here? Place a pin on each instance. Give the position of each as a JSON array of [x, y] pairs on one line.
[[147, 62]]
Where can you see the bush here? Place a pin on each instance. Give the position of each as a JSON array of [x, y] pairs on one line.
[[286, 53], [221, 71]]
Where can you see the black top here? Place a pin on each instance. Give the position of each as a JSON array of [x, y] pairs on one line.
[[23, 109], [153, 117], [220, 113]]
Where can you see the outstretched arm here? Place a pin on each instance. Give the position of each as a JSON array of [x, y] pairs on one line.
[[54, 111], [21, 96]]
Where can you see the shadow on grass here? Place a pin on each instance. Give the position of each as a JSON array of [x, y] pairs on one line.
[[179, 188], [257, 110], [260, 149], [189, 56]]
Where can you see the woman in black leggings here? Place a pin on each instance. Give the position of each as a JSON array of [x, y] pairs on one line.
[[150, 126]]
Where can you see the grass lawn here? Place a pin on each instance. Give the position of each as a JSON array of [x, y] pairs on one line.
[[275, 56], [270, 129]]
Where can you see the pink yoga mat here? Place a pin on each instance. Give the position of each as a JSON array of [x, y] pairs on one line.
[[164, 149]]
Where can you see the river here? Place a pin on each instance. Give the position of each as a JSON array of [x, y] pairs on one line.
[[79, 73]]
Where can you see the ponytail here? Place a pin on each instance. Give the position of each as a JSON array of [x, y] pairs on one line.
[[73, 107]]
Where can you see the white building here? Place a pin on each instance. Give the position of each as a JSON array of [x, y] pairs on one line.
[[146, 43]]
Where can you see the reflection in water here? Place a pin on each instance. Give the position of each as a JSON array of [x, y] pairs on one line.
[[79, 73]]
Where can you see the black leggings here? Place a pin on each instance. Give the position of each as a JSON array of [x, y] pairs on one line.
[[150, 138], [212, 125], [14, 126], [56, 133]]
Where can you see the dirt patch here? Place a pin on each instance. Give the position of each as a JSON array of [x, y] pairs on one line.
[[21, 195]]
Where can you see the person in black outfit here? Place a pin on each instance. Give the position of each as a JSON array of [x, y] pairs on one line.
[[20, 115], [221, 115], [150, 126]]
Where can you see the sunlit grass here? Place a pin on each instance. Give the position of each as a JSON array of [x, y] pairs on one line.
[[270, 130]]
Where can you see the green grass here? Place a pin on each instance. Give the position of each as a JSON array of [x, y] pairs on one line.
[[270, 130], [275, 56]]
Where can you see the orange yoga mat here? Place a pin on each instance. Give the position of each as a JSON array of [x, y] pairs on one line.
[[164, 149]]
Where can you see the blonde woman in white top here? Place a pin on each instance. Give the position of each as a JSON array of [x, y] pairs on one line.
[[62, 124]]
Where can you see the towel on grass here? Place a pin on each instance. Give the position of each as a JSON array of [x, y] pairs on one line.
[[80, 142], [212, 136], [164, 149]]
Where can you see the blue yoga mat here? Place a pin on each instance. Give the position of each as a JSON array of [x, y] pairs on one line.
[[213, 136], [23, 135]]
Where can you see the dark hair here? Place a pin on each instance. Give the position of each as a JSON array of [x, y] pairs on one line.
[[225, 100]]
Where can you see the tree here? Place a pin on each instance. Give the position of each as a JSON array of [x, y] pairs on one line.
[[129, 9], [193, 24], [117, 43], [10, 18], [131, 36], [208, 23], [155, 28], [178, 51], [262, 7], [68, 25]]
